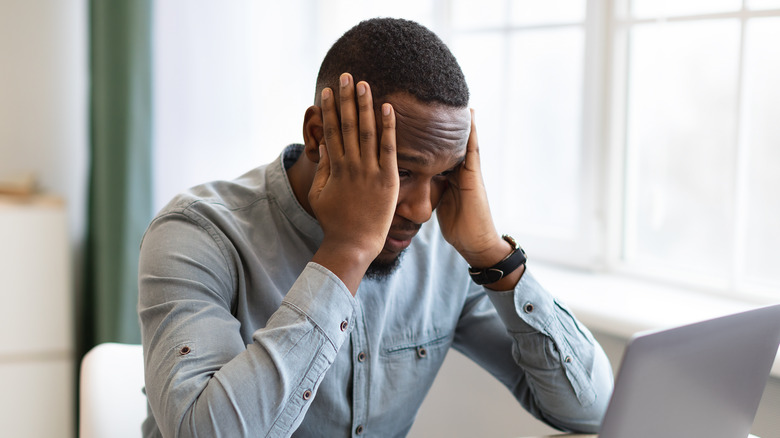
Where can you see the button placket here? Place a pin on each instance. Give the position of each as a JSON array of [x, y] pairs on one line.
[[360, 373]]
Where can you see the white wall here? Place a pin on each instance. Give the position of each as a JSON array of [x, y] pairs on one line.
[[43, 98], [44, 130]]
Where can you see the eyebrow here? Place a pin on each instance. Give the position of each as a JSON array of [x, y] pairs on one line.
[[416, 159]]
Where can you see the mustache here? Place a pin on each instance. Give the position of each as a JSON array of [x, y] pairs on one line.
[[405, 225]]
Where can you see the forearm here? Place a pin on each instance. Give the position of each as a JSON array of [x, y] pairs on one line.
[[566, 372], [218, 385]]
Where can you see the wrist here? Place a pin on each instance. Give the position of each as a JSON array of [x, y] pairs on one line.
[[496, 251], [503, 274], [348, 262]]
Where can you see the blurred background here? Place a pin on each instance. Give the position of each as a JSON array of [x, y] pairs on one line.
[[632, 147]]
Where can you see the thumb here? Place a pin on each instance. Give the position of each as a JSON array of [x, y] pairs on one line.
[[322, 173]]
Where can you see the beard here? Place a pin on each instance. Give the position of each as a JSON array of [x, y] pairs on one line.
[[380, 270]]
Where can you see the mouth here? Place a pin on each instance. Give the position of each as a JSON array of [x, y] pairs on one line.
[[397, 240], [396, 244]]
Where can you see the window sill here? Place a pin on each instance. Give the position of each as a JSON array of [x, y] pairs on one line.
[[620, 306]]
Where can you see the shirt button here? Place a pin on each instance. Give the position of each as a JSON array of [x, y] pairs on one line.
[[528, 308], [359, 430], [421, 352], [567, 359], [306, 394], [361, 356], [344, 325]]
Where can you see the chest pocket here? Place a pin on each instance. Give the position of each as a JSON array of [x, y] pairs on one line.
[[423, 346]]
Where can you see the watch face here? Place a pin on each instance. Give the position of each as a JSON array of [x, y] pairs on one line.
[[511, 240]]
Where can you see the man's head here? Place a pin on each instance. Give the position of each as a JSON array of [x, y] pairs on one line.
[[408, 66], [396, 56]]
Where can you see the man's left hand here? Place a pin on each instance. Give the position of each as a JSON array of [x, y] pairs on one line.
[[465, 218]]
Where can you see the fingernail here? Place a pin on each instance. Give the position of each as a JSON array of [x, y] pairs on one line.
[[386, 109], [361, 88], [325, 93], [344, 80]]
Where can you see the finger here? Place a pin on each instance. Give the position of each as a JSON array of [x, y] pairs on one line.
[[387, 146], [330, 124], [367, 122], [349, 116]]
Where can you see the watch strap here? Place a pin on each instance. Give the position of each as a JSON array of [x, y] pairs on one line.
[[496, 272]]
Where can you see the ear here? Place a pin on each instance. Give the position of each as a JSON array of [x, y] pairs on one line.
[[312, 133]]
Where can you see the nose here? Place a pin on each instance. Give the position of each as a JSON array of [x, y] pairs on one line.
[[415, 203]]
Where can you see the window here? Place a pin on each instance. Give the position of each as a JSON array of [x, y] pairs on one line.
[[702, 148], [526, 65], [640, 140]]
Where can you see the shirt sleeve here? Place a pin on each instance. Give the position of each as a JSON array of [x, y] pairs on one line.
[[534, 345], [201, 378]]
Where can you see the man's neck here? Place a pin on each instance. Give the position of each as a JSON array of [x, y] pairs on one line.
[[301, 176]]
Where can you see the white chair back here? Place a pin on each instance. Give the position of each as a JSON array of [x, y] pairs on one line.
[[112, 403]]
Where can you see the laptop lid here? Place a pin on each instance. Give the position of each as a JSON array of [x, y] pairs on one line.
[[699, 380]]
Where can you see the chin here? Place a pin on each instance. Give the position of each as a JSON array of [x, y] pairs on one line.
[[382, 268]]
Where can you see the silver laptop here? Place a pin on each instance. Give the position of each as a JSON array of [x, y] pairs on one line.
[[700, 380]]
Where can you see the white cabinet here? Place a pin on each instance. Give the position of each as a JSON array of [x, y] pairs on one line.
[[36, 320]]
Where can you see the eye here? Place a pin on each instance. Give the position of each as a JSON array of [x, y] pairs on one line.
[[404, 173]]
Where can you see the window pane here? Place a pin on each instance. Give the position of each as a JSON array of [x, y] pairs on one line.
[[663, 8], [543, 131], [763, 4], [482, 57], [762, 137], [547, 12], [681, 136], [469, 14]]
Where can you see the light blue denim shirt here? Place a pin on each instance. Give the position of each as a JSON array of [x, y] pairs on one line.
[[244, 336]]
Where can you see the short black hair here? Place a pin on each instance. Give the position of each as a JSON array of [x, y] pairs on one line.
[[396, 55]]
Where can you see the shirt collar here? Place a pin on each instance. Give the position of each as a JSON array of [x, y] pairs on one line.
[[279, 186]]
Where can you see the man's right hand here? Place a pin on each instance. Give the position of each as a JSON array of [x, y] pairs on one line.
[[355, 187]]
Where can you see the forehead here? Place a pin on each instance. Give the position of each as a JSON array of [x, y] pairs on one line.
[[429, 133]]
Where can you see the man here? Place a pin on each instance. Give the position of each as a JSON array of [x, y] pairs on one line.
[[316, 296]]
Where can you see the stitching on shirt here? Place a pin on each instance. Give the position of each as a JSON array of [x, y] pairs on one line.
[[294, 402], [314, 324], [196, 219]]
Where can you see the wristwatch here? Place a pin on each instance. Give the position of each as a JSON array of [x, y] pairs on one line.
[[496, 272]]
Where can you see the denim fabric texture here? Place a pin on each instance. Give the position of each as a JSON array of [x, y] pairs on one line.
[[244, 336]]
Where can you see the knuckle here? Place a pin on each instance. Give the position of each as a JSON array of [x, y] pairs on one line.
[[353, 169], [330, 132], [347, 125], [387, 148], [365, 106], [366, 136]]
